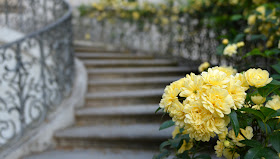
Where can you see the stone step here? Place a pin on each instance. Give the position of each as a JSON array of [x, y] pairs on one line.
[[102, 73], [127, 63], [123, 98], [133, 114], [95, 154], [123, 84], [101, 55], [88, 46], [136, 136]]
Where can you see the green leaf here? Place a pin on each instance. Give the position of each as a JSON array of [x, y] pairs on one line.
[[238, 38], [164, 144], [275, 82], [166, 124], [234, 122], [163, 154], [185, 155], [251, 143], [268, 89], [276, 67], [253, 153], [276, 114], [275, 76], [275, 141], [220, 50], [202, 156], [236, 17], [273, 123], [258, 37], [254, 112], [264, 127], [267, 112], [176, 143], [258, 152], [269, 153], [254, 52], [159, 108], [272, 52]]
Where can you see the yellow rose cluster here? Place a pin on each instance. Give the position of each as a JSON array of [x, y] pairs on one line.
[[201, 103], [227, 141], [231, 49], [263, 23]]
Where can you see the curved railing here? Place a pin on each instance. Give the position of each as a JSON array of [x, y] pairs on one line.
[[37, 69]]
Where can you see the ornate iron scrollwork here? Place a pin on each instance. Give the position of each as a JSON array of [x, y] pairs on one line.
[[37, 70]]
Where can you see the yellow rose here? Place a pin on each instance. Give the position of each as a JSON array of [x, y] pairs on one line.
[[203, 66], [192, 88], [257, 77], [269, 44], [225, 41], [258, 99], [261, 10], [247, 30], [247, 133], [237, 92], [175, 131], [223, 135], [135, 15], [219, 148], [229, 70], [252, 19], [229, 154], [164, 21], [174, 18], [215, 77], [87, 36], [274, 103], [186, 146], [227, 143], [230, 49], [257, 107], [241, 77], [240, 44], [218, 101], [201, 124], [233, 2]]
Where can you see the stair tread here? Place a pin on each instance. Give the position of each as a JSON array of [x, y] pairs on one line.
[[133, 61], [129, 132], [95, 154], [110, 55], [120, 110], [134, 80], [140, 70], [127, 94]]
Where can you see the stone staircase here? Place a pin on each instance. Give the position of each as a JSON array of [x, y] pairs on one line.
[[118, 119]]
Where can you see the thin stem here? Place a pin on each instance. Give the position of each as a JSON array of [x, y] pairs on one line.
[[195, 150]]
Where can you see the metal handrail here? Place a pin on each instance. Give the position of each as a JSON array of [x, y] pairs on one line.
[[46, 28], [37, 71]]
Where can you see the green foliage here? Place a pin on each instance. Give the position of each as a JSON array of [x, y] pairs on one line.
[[234, 122], [274, 140], [166, 124], [259, 152]]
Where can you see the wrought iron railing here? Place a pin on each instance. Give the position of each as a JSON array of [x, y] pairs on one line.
[[37, 70]]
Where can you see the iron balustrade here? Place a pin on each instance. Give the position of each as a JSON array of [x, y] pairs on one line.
[[37, 70]]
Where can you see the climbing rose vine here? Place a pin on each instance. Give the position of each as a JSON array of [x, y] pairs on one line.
[[235, 109]]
